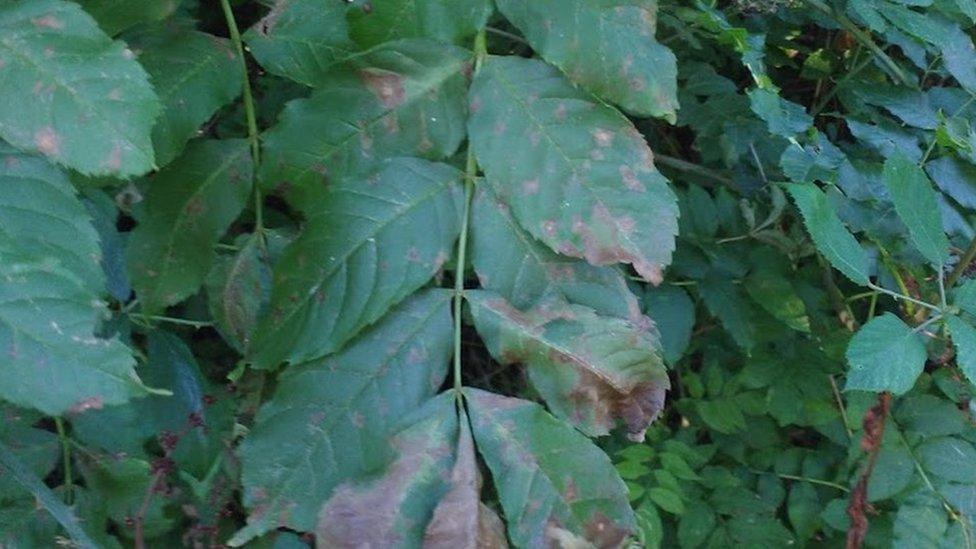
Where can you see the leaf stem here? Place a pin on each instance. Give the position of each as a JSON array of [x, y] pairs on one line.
[[69, 491], [864, 38], [840, 487], [506, 34], [909, 299], [249, 112], [470, 173], [962, 265], [180, 321], [689, 167]]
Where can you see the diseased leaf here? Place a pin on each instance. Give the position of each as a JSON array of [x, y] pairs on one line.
[[84, 102], [238, 287], [393, 510], [194, 74], [49, 297], [550, 479], [460, 519], [301, 39], [915, 201], [831, 237], [376, 22], [605, 46], [593, 371], [370, 244], [674, 315], [188, 207], [576, 174], [885, 355], [511, 262], [329, 419], [964, 339], [402, 98]]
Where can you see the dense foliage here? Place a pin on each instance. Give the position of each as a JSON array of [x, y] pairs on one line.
[[384, 273]]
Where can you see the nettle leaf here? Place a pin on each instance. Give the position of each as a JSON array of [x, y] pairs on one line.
[[460, 519], [302, 39], [606, 46], [49, 301], [964, 339], [552, 482], [829, 234], [368, 245], [393, 510], [188, 207], [329, 419], [84, 101], [592, 370], [377, 22], [511, 262], [238, 287], [576, 174], [194, 74], [402, 98], [885, 355], [916, 204]]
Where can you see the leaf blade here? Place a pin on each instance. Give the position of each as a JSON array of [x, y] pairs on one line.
[[885, 355], [833, 240], [915, 201]]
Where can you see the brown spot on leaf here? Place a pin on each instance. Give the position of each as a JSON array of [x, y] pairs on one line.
[[91, 403], [602, 137], [48, 22], [47, 141], [114, 160], [603, 532], [530, 187], [386, 86], [267, 24], [630, 179]]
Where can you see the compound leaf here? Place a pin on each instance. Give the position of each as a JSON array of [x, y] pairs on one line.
[[189, 206], [329, 419], [194, 74], [885, 355], [829, 234], [402, 98], [916, 204], [593, 371], [576, 174], [511, 262], [83, 100], [606, 46], [370, 244], [552, 482]]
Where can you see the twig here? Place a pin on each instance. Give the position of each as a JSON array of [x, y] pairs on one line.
[[69, 491], [506, 34], [689, 167], [857, 508]]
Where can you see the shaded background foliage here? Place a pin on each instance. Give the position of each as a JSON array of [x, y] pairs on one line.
[[814, 312]]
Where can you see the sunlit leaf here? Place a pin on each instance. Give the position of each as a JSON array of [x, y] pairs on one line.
[[885, 355]]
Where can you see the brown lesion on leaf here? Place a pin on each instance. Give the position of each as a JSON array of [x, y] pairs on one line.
[[386, 86], [47, 141], [48, 22], [90, 403], [267, 24]]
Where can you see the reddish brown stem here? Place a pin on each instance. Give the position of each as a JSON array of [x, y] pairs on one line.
[[858, 508]]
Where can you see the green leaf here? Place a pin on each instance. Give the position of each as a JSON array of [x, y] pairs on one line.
[[730, 306], [831, 237], [105, 216], [36, 448], [920, 522], [696, 525], [49, 301], [370, 244], [115, 16], [667, 500], [302, 39], [950, 458], [774, 293], [238, 287], [523, 270], [547, 474], [360, 394], [83, 101], [674, 315], [402, 98], [189, 206], [194, 74], [376, 22], [592, 370], [607, 47], [964, 339], [964, 296], [783, 117], [576, 174], [393, 510], [122, 484], [885, 355], [11, 465], [915, 201]]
